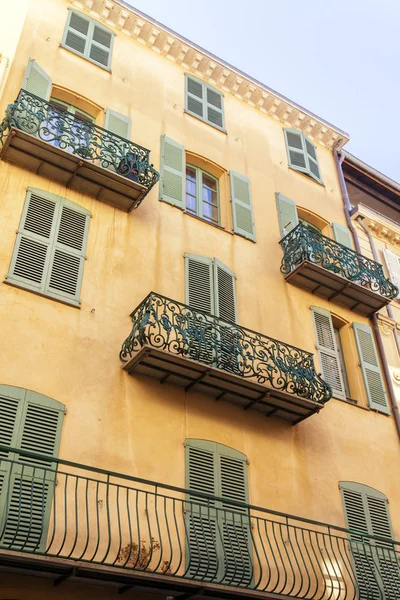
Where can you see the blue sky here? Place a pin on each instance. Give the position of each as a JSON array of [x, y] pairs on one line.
[[337, 58]]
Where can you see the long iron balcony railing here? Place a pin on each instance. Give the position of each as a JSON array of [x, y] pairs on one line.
[[304, 243], [63, 130], [165, 324], [58, 508]]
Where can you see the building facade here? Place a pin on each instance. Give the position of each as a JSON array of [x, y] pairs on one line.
[[200, 370]]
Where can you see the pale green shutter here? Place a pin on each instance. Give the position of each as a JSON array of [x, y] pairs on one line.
[[118, 124], [296, 151], [371, 369], [242, 209], [215, 110], [101, 42], [199, 285], [375, 562], [224, 292], [327, 350], [342, 235], [36, 81], [27, 492], [313, 167], [287, 214], [88, 38], [195, 97], [172, 172], [76, 32]]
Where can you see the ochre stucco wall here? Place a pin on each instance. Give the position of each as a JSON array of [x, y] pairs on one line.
[[132, 424]]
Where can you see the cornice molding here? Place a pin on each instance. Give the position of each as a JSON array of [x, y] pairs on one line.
[[380, 226], [135, 24]]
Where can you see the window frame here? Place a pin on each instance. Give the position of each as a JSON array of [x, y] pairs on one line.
[[304, 152], [199, 195], [88, 38], [205, 86]]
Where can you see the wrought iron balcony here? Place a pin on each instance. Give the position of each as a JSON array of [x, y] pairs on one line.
[[40, 136], [66, 520], [172, 341], [326, 268]]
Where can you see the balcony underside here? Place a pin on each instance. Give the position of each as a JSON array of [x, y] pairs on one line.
[[326, 284], [222, 385], [71, 170], [118, 580]]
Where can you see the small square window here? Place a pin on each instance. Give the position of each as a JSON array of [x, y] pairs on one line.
[[89, 39]]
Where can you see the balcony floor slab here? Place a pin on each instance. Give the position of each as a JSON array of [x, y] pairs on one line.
[[334, 287], [222, 385], [71, 170]]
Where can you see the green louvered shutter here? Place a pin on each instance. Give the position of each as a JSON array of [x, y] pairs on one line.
[[225, 309], [215, 110], [287, 214], [203, 547], [375, 561], [76, 32], [11, 406], [313, 166], [88, 38], [25, 503], [342, 235], [242, 209], [101, 45], [118, 124], [195, 97], [172, 172], [327, 350], [296, 151], [371, 369], [36, 81], [234, 521]]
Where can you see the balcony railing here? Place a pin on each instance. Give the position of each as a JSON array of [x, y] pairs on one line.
[[161, 535], [168, 326], [334, 271], [88, 142]]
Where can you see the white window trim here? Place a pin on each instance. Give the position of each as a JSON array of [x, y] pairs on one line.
[[205, 104], [89, 39]]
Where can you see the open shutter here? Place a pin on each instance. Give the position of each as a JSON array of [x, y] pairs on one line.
[[30, 260], [393, 266], [327, 350], [101, 45], [25, 503], [287, 214], [195, 97], [296, 151], [371, 369], [342, 235], [36, 81], [172, 172], [118, 124], [242, 209], [68, 255], [312, 160], [201, 514]]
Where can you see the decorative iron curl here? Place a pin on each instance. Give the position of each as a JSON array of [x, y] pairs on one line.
[[165, 324], [48, 122], [305, 243]]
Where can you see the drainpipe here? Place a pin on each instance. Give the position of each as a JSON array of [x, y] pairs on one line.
[[381, 350], [376, 259]]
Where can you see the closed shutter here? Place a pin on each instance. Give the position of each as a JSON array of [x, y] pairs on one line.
[[327, 350], [242, 209], [204, 102], [371, 369], [375, 562], [194, 97], [287, 214], [36, 81], [215, 114], [100, 45], [393, 266], [172, 172], [228, 357], [25, 502], [118, 124], [86, 37], [313, 166], [296, 150], [49, 252], [342, 235], [77, 32], [219, 541]]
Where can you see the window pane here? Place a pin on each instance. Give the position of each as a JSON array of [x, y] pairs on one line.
[[210, 199], [191, 190]]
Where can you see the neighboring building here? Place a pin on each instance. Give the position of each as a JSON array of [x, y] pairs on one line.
[[235, 435]]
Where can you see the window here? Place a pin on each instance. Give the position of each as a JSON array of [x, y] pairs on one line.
[[49, 252], [204, 102], [219, 537], [302, 154], [374, 561], [188, 186], [202, 194], [88, 38], [76, 124], [32, 423]]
